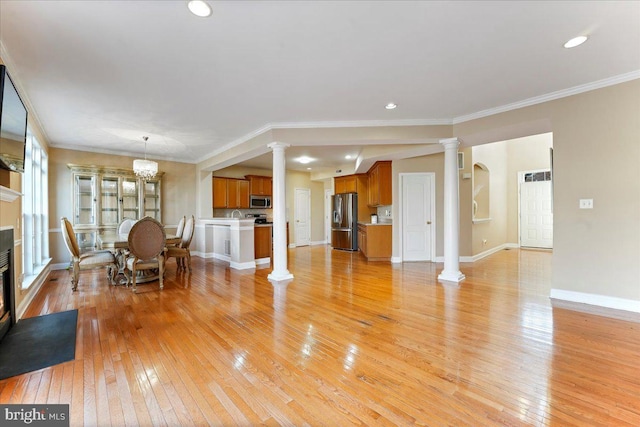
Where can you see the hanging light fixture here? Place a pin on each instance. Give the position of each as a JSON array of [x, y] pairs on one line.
[[145, 169]]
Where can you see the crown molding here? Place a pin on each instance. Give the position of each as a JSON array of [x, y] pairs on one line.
[[361, 123], [622, 78]]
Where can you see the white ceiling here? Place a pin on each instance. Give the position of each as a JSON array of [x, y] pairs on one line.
[[101, 74]]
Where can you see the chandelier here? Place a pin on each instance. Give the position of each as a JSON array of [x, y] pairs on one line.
[[145, 169]]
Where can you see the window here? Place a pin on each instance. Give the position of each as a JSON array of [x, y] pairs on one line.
[[35, 212]]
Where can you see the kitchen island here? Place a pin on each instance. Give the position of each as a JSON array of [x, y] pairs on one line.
[[231, 240]]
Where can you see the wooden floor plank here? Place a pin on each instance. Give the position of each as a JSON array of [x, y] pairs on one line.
[[346, 342]]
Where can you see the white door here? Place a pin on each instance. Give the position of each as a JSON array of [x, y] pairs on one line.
[[327, 216], [418, 215], [303, 216], [536, 215]]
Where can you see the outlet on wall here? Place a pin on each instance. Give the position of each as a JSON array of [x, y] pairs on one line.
[[586, 203]]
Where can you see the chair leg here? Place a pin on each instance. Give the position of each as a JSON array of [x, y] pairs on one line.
[[133, 277], [161, 271], [111, 273], [189, 260], [75, 271]]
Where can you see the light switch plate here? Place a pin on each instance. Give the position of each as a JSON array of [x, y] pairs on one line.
[[586, 203]]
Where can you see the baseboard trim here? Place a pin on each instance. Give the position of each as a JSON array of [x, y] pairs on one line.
[[396, 260], [263, 261], [243, 265], [60, 266], [484, 254], [599, 305]]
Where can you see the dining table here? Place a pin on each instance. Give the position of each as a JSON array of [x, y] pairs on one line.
[[119, 243]]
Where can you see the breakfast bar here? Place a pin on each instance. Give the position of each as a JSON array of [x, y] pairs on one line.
[[231, 240]]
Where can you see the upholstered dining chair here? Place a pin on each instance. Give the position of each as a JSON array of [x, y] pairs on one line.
[[88, 260], [147, 240], [179, 231], [180, 228], [125, 225], [181, 251]]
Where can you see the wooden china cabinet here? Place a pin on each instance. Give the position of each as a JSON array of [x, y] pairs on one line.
[[103, 196]]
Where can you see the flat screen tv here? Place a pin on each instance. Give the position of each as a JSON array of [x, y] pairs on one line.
[[13, 125]]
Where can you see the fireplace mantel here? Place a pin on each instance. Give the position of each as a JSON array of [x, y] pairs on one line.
[[8, 195]]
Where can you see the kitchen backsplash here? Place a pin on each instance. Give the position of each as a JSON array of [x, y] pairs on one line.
[[385, 213]]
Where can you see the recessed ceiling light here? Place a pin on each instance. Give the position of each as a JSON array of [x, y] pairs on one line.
[[348, 156], [304, 160], [390, 106], [308, 169], [576, 41], [199, 8]]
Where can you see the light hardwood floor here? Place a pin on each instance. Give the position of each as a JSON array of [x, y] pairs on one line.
[[346, 343]]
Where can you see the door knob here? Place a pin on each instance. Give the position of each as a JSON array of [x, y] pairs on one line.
[[428, 222]]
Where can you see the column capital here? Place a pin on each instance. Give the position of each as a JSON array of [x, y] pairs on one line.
[[278, 145], [450, 142]]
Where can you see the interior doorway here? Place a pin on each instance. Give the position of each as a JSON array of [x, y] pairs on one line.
[[302, 216], [327, 215], [535, 209], [417, 216]]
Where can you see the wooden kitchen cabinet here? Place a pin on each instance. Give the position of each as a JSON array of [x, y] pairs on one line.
[[262, 241], [346, 184], [237, 194], [231, 193], [362, 239], [379, 179], [374, 241], [260, 185]]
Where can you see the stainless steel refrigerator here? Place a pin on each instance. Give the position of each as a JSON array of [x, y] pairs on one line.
[[344, 226]]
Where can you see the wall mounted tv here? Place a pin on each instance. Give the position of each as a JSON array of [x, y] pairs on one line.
[[13, 125]]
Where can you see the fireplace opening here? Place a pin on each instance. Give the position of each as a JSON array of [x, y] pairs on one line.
[[7, 299]]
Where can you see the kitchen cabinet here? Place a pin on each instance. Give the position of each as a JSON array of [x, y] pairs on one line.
[[374, 241], [104, 196], [230, 193], [357, 183], [379, 179], [259, 185], [262, 241], [237, 193], [346, 184]]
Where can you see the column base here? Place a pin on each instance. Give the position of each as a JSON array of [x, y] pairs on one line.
[[451, 276], [279, 276]]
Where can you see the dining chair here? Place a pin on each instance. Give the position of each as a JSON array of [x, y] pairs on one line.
[[88, 260], [125, 225], [180, 228], [181, 251], [147, 246]]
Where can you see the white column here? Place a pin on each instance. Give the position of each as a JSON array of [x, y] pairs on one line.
[[279, 204], [451, 272]]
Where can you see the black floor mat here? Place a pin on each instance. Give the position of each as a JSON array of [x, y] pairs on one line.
[[38, 342]]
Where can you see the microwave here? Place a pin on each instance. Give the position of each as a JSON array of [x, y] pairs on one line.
[[260, 202]]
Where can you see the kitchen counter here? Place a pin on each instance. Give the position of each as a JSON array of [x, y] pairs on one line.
[[378, 223]]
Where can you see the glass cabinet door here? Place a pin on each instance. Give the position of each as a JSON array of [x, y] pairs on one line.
[[85, 200], [130, 198], [109, 188], [152, 199]]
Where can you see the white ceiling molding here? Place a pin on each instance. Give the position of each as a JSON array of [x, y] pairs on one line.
[[550, 96]]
